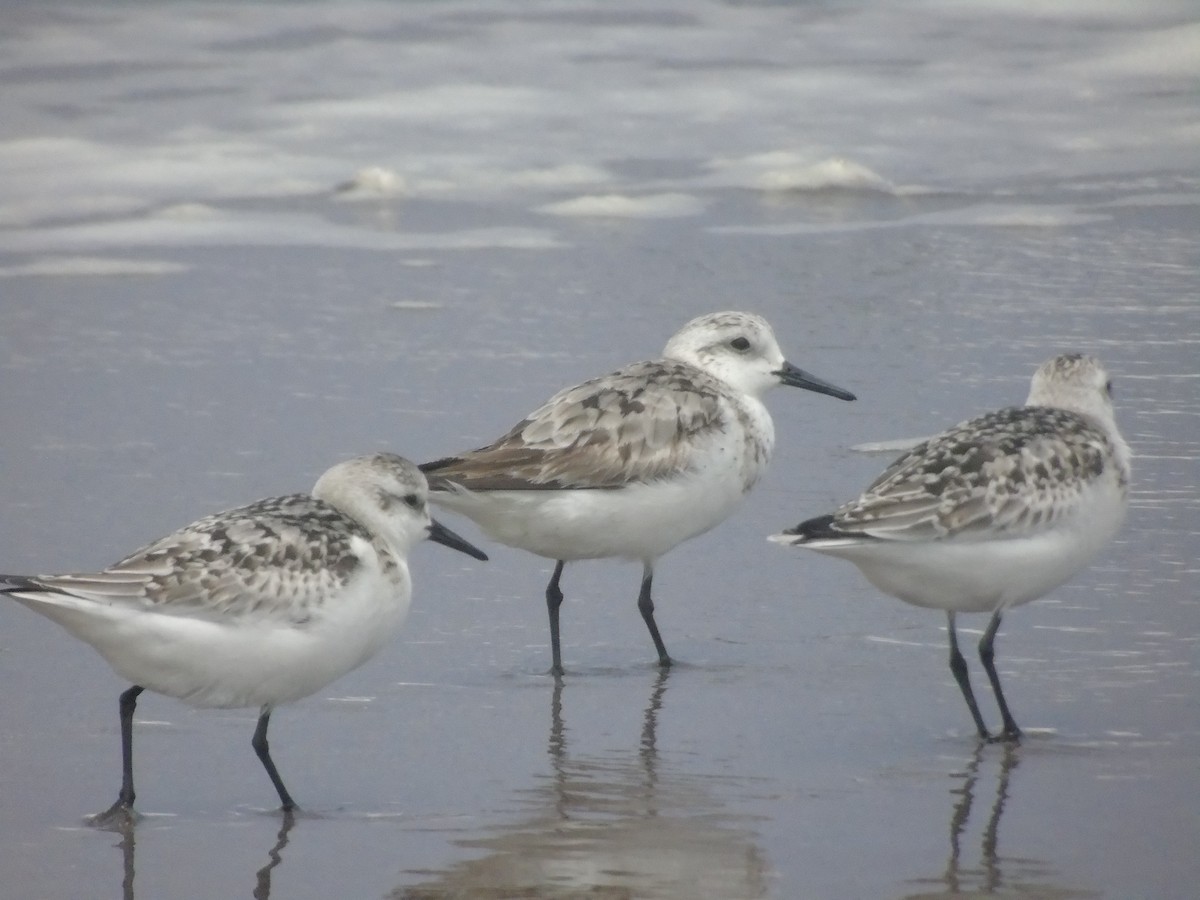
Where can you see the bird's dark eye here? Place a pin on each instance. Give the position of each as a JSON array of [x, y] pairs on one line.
[[1108, 388], [740, 344], [412, 501]]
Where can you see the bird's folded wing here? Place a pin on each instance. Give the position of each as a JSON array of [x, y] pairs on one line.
[[245, 562], [985, 478], [636, 425]]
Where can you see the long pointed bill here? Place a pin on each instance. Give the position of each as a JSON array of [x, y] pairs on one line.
[[440, 534], [796, 377]]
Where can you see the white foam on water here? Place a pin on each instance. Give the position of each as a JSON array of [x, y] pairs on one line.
[[896, 445], [983, 215], [139, 106], [373, 182], [1001, 215], [87, 266], [620, 206], [785, 170], [197, 225]]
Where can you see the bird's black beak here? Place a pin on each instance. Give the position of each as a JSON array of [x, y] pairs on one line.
[[796, 377], [440, 534]]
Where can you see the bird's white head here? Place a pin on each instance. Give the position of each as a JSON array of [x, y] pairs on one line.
[[740, 349], [1075, 382], [389, 495]]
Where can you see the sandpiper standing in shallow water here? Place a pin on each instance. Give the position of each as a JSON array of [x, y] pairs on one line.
[[633, 463], [256, 606], [993, 513]]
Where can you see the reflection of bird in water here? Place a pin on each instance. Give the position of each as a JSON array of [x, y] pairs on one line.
[[608, 826], [987, 877], [262, 878], [127, 850], [995, 874]]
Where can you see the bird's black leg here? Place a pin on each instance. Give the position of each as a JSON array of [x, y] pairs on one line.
[[259, 743], [122, 810], [958, 666], [646, 607], [987, 656], [554, 599]]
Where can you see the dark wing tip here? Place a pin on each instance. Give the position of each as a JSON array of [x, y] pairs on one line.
[[16, 584], [434, 465], [432, 472], [814, 529]]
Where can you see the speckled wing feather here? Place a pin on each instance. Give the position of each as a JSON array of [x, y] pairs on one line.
[[650, 412], [275, 559], [1014, 471]]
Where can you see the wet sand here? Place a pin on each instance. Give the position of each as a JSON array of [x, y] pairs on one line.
[[810, 743]]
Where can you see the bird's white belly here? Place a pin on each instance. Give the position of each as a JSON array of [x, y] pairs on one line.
[[240, 663], [985, 575], [641, 521]]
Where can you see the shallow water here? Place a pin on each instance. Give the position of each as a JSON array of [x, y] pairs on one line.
[[926, 202]]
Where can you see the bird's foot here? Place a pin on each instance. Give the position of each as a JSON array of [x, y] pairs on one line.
[[120, 816], [1007, 736]]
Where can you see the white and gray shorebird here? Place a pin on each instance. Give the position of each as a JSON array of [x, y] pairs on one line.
[[631, 464], [256, 606], [993, 513]]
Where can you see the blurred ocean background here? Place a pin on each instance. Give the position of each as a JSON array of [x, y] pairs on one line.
[[240, 241]]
